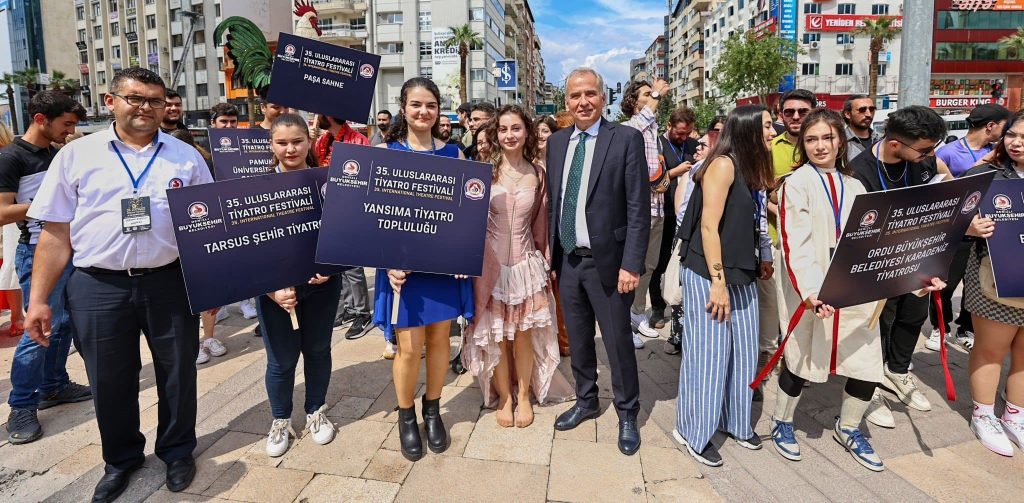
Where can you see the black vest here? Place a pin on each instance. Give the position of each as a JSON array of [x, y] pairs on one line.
[[738, 231]]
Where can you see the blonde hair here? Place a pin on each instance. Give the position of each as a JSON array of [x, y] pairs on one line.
[[5, 135]]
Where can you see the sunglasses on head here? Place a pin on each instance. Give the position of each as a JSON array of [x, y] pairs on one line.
[[865, 109], [790, 112]]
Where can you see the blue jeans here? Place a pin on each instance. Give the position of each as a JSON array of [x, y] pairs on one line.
[[38, 371]]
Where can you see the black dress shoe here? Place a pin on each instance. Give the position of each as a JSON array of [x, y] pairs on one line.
[[112, 484], [574, 416], [629, 437], [180, 474]]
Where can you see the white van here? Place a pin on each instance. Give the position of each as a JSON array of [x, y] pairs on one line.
[[956, 124]]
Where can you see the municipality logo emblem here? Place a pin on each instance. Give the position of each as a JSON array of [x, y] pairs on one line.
[[175, 183], [350, 168], [198, 211], [225, 142], [366, 71], [475, 189], [289, 50], [971, 203], [1002, 202], [869, 219]]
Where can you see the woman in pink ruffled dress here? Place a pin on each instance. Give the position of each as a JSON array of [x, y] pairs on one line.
[[512, 347]]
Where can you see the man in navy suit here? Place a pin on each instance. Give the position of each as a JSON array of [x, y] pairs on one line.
[[600, 223]]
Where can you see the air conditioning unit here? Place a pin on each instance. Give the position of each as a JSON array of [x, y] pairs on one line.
[[814, 45]]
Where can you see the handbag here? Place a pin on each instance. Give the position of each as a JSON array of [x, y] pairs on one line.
[[988, 285], [671, 289]]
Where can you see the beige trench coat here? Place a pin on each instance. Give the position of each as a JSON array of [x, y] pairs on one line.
[[807, 233]]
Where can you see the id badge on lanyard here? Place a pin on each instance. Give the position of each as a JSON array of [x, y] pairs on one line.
[[136, 212]]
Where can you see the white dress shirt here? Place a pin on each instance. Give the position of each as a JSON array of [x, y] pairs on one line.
[[86, 183], [582, 231]]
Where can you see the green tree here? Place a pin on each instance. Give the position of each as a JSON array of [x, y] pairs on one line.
[[463, 37], [751, 66], [1014, 42], [879, 31], [60, 82], [705, 110], [666, 106], [558, 96]]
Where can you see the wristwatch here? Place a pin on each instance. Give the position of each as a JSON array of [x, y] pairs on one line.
[[655, 95]]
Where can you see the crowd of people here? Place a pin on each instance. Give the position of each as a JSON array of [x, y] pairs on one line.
[[721, 231]]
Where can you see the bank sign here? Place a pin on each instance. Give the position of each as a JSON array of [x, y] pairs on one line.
[[842, 22]]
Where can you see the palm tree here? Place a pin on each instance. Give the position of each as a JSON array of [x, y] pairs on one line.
[[60, 82], [27, 78], [880, 31], [1014, 42], [9, 80], [464, 37]]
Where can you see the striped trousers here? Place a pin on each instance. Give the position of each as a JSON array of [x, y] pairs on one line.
[[718, 363]]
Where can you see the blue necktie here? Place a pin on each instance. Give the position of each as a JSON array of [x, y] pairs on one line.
[[567, 227]]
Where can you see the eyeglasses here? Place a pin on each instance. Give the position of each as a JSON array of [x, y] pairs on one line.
[[139, 101], [865, 109], [926, 151], [790, 112]]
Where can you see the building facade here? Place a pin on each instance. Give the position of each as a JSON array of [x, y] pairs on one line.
[[685, 49]]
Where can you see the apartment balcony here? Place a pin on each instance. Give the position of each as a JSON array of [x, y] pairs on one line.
[[176, 28], [201, 77], [174, 4], [343, 36], [391, 61], [325, 7], [199, 51], [177, 53]]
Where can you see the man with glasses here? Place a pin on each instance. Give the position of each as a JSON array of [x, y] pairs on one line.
[[105, 207], [858, 113], [903, 158]]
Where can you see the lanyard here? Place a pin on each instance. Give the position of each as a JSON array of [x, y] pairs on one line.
[[837, 209], [136, 181], [878, 168], [677, 152], [433, 149], [969, 149], [756, 194]]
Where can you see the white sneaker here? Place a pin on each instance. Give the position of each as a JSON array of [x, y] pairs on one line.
[[879, 412], [280, 437], [1015, 431], [989, 431], [248, 308], [214, 347], [642, 324], [203, 357], [638, 343], [965, 339], [320, 427], [934, 341], [906, 389], [389, 351]]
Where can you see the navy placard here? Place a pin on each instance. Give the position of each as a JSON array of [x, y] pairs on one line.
[[240, 153], [1004, 204], [405, 210], [895, 241], [246, 237], [323, 78]]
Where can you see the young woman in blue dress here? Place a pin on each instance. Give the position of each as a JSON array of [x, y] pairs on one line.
[[427, 302]]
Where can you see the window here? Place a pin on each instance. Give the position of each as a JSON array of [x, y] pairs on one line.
[[476, 14], [96, 11], [133, 50], [847, 8], [476, 46], [844, 68], [812, 37], [201, 64], [115, 29], [216, 13], [980, 20], [151, 22], [202, 90], [151, 47], [112, 5], [391, 48], [132, 25], [81, 35], [357, 23], [99, 55], [150, 2], [83, 57], [879, 9], [80, 12], [844, 38], [478, 75], [199, 38], [97, 32], [809, 69], [967, 51], [714, 28], [177, 40], [389, 18], [812, 8], [424, 20], [101, 77], [731, 10], [221, 89], [427, 72], [129, 4], [882, 68], [220, 64], [721, 22], [426, 50], [325, 24], [115, 51], [741, 4]]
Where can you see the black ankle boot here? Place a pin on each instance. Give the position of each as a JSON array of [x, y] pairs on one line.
[[437, 436], [409, 434]]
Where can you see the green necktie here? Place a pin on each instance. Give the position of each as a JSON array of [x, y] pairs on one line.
[[567, 227]]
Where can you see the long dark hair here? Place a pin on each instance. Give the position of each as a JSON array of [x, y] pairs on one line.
[[742, 140], [835, 121], [529, 145], [1001, 158], [400, 129], [296, 120]]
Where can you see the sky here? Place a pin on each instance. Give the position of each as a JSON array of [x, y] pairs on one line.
[[602, 34]]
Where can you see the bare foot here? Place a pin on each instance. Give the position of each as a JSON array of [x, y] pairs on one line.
[[524, 413], [504, 413]]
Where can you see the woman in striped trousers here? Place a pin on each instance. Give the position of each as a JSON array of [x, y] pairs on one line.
[[722, 254]]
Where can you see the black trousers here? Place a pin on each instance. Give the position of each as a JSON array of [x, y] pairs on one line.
[[584, 300], [900, 323], [108, 312], [657, 301], [956, 274]]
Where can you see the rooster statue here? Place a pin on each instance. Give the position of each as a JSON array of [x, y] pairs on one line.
[[248, 49]]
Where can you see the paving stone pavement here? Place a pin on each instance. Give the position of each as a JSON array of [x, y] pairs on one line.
[[929, 456]]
